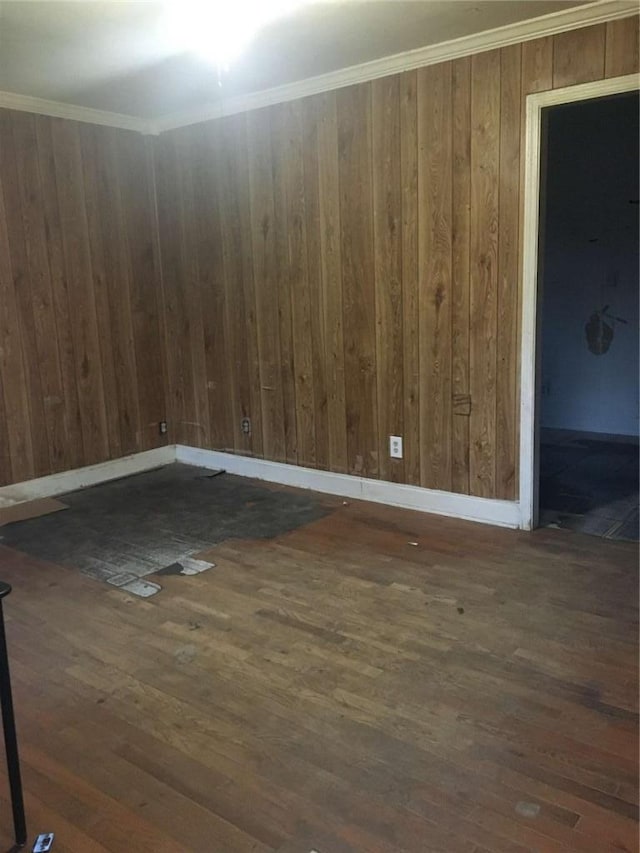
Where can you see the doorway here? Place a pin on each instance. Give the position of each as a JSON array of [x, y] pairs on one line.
[[579, 378], [588, 317]]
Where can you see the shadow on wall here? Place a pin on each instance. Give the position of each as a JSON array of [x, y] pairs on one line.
[[590, 291]]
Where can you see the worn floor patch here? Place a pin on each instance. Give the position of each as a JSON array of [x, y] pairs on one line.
[[525, 809], [154, 524], [188, 566], [29, 509]]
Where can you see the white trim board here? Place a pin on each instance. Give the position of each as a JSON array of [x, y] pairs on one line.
[[72, 112], [535, 104], [545, 25], [80, 478], [488, 511], [521, 31]]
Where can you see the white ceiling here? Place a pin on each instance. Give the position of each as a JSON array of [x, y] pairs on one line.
[[117, 56]]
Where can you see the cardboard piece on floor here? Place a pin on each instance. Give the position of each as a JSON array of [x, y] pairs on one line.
[[29, 509]]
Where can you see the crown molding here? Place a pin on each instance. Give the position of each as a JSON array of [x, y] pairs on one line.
[[56, 109], [545, 25]]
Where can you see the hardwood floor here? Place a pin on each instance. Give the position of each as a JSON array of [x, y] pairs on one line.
[[376, 681]]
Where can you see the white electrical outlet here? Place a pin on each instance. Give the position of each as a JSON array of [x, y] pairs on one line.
[[395, 446]]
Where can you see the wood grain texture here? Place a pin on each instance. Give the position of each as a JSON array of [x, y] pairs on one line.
[[435, 144], [460, 248], [409, 158], [210, 274], [485, 164], [579, 56], [358, 278], [190, 294], [310, 147], [298, 281], [30, 201], [71, 387], [287, 364], [17, 239], [387, 247], [266, 294], [61, 306], [507, 293], [333, 689], [537, 65], [622, 52], [331, 260], [238, 281], [302, 249]]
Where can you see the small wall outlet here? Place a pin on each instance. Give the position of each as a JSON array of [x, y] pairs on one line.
[[162, 427], [395, 446], [245, 426]]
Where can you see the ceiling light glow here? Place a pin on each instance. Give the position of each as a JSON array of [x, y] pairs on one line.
[[220, 30]]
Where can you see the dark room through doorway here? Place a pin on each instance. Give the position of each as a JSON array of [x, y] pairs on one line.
[[588, 366]]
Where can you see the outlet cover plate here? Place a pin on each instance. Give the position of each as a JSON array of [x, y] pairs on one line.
[[395, 446]]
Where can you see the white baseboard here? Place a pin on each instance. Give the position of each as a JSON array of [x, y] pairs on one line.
[[485, 510], [79, 478]]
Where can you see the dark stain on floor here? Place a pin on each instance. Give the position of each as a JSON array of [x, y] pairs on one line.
[[150, 523]]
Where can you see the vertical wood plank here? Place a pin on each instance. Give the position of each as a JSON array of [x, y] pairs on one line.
[[298, 281], [70, 251], [410, 303], [622, 54], [40, 290], [435, 199], [154, 397], [238, 274], [461, 82], [314, 274], [264, 272], [5, 447], [169, 225], [279, 148], [120, 235], [537, 65], [61, 303], [356, 228], [507, 296], [22, 288], [196, 422], [211, 285], [578, 56], [75, 240], [145, 357], [331, 264], [485, 160], [104, 261], [387, 219], [14, 376]]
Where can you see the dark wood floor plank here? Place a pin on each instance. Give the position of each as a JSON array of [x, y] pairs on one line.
[[376, 681]]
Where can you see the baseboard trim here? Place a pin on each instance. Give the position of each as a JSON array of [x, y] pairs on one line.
[[80, 478], [485, 510]]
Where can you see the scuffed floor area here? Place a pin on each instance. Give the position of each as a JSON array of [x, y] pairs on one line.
[[155, 524]]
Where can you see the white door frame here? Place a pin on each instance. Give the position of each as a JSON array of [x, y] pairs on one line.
[[528, 403]]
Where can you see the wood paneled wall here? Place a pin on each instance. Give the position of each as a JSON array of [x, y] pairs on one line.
[[347, 266], [338, 269], [81, 350]]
